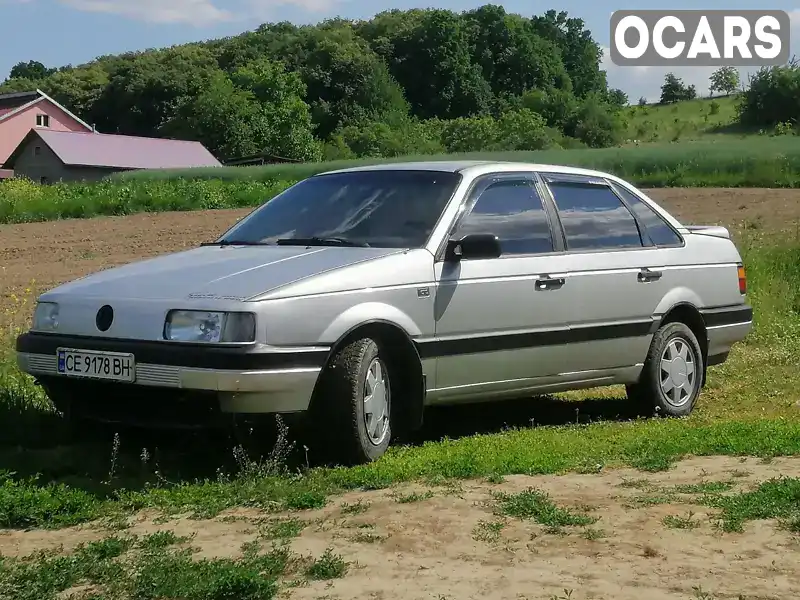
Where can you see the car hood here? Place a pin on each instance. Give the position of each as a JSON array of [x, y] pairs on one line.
[[219, 273]]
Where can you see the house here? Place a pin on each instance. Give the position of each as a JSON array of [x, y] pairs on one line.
[[22, 111], [48, 156]]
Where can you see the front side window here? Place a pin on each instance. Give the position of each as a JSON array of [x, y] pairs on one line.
[[513, 211], [382, 208], [593, 216]]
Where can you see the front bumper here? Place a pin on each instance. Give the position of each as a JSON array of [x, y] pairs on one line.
[[246, 379]]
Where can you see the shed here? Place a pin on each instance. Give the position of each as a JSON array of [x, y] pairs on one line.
[[50, 156]]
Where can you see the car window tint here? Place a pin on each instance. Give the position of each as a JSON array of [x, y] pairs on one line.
[[513, 211], [594, 217], [658, 230], [383, 208]]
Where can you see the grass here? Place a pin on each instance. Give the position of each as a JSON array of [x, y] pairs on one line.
[[703, 118], [127, 567], [754, 161], [536, 505]]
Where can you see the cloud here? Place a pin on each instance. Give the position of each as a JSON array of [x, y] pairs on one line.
[[194, 12], [199, 13], [647, 81]]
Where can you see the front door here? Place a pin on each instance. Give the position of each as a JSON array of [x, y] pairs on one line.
[[498, 321]]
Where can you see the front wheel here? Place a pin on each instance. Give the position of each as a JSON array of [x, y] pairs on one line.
[[672, 376], [353, 409]]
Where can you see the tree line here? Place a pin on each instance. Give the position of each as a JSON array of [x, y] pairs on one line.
[[404, 81]]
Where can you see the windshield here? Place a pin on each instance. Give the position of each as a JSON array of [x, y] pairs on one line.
[[384, 209]]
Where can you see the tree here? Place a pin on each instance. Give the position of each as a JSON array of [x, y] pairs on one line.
[[772, 97], [674, 90], [32, 70], [724, 79], [347, 82], [617, 98], [259, 108], [512, 56], [147, 91], [431, 60], [580, 53]]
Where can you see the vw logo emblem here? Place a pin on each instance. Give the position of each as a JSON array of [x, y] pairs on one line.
[[105, 316]]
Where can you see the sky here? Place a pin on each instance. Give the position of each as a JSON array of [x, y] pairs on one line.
[[59, 32]]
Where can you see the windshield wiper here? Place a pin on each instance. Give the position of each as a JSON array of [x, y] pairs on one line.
[[235, 243], [320, 241]]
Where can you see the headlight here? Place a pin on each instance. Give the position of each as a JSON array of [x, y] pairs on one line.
[[45, 316], [213, 327]]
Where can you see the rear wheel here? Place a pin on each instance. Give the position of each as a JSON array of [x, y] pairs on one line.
[[672, 376], [352, 410]]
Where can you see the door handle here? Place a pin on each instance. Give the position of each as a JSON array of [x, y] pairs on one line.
[[646, 275], [545, 282]]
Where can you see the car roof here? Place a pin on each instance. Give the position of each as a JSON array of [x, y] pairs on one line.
[[473, 168]]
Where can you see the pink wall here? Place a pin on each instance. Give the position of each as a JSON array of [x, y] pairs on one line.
[[14, 129]]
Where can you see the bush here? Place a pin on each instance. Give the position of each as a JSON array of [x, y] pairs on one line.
[[773, 97]]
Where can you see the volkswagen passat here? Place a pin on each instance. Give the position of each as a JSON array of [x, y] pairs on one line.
[[358, 297]]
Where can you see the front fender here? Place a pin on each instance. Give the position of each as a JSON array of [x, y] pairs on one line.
[[369, 312]]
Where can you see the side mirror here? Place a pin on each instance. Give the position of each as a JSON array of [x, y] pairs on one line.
[[473, 246]]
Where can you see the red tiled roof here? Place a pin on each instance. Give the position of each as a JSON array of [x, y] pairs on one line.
[[7, 110], [126, 152]]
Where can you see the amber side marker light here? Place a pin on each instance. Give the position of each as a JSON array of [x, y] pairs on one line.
[[742, 279]]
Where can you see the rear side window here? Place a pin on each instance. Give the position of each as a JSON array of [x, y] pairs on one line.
[[593, 216], [513, 211], [657, 229]]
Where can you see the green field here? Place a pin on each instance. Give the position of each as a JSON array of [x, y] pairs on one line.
[[703, 118], [721, 161]]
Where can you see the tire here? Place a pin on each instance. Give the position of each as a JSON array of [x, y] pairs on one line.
[[656, 390], [346, 428]]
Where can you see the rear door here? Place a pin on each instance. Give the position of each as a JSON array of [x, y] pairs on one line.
[[617, 273]]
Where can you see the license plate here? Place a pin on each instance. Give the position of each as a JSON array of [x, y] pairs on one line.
[[92, 364]]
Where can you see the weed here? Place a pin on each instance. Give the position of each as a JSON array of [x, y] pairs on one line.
[[365, 537], [686, 522], [356, 508], [327, 566], [155, 571], [776, 498], [488, 531], [412, 497], [705, 487], [160, 540], [590, 533], [535, 504], [282, 529], [638, 484]]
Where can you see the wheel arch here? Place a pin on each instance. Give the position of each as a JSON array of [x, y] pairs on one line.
[[688, 314], [403, 353]]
